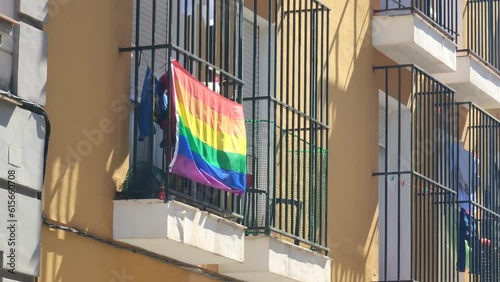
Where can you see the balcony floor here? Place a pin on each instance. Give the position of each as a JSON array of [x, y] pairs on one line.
[[270, 259], [474, 82], [409, 39], [178, 231]]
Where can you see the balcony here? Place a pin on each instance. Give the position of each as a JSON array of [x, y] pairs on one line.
[[438, 165], [278, 228], [477, 78], [426, 32]]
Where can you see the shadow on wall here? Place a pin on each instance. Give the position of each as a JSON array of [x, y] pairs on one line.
[[88, 86], [353, 156], [99, 262]]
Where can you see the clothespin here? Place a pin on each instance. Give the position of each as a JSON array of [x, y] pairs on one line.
[[439, 110]]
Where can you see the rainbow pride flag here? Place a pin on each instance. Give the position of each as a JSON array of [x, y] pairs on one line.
[[210, 137]]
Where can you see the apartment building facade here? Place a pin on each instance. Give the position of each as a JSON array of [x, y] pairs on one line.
[[24, 133], [371, 141]]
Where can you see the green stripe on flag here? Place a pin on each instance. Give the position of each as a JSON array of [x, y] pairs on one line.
[[214, 157]]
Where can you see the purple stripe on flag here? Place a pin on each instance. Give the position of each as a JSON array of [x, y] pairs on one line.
[[186, 167]]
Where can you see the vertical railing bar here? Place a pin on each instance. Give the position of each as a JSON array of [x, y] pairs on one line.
[[153, 88], [399, 176], [491, 163], [198, 187], [240, 62], [299, 121], [136, 86], [254, 67], [200, 41], [312, 127], [293, 222], [440, 176], [177, 27], [491, 173], [386, 169], [327, 120], [427, 170], [446, 161], [192, 28], [207, 48], [496, 197], [321, 106], [227, 51], [437, 208], [318, 149], [281, 127], [189, 31], [432, 174], [416, 85], [275, 94], [169, 109], [455, 8], [478, 140], [287, 182], [270, 164], [479, 29], [472, 115], [420, 108], [496, 201], [304, 160], [412, 168], [480, 190], [221, 42], [235, 57], [456, 176], [473, 8]]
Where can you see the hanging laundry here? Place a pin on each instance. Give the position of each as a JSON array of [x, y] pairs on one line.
[[464, 167], [469, 243], [168, 131], [145, 111], [188, 6], [162, 99]]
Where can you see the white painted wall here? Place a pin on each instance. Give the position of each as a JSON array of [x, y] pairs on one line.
[[6, 47], [23, 71], [392, 196]]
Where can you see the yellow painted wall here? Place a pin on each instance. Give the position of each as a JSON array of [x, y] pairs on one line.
[[88, 86], [69, 257], [353, 196]]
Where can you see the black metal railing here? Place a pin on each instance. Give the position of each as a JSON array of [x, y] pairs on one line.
[[438, 160], [204, 38], [274, 62], [480, 199], [442, 14], [288, 124], [483, 30]]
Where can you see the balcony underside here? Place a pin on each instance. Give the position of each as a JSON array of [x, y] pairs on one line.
[[474, 82], [409, 39], [270, 259], [178, 231]]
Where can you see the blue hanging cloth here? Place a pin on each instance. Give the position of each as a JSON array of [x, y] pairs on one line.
[[145, 114]]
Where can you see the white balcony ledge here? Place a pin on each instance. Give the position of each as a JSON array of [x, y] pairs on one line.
[[178, 231], [409, 39], [474, 82], [270, 259]]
